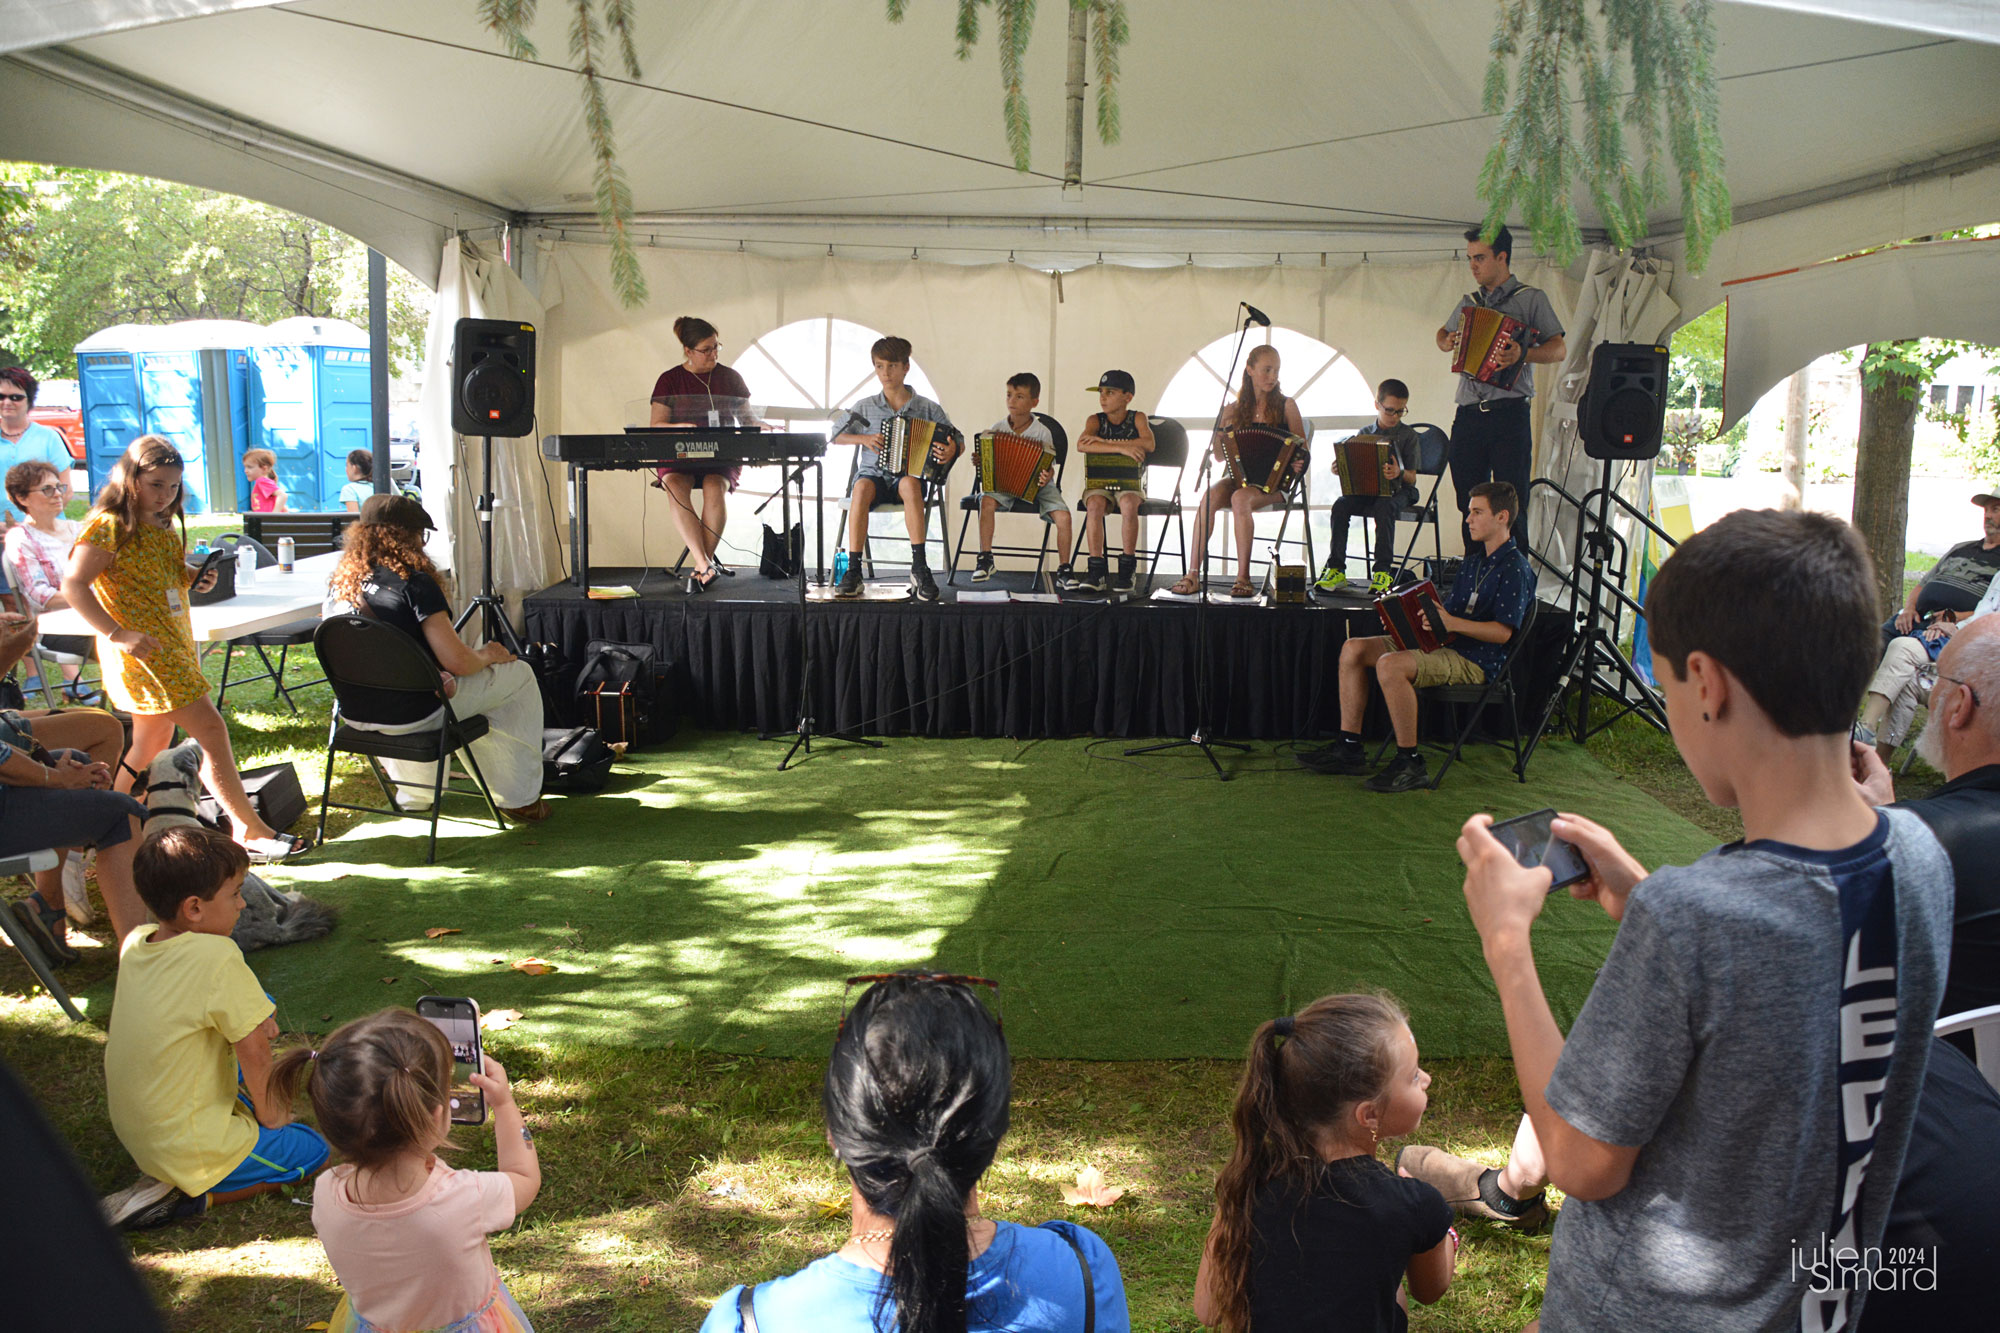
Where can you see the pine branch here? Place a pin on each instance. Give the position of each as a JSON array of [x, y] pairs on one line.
[[1015, 20], [509, 19], [968, 25], [618, 18], [612, 191], [1110, 29]]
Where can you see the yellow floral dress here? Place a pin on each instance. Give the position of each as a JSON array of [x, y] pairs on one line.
[[133, 591]]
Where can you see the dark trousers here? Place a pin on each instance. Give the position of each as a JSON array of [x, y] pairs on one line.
[[1380, 508], [1495, 445]]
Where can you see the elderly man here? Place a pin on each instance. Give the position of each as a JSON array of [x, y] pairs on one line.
[[1959, 588]]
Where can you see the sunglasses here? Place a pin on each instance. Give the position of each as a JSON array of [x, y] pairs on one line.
[[13, 397], [922, 978]]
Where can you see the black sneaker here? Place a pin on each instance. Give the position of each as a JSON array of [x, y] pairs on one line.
[[1093, 578], [984, 569], [922, 586], [1128, 572], [150, 1203], [1404, 773], [1336, 760], [850, 579], [1065, 579]]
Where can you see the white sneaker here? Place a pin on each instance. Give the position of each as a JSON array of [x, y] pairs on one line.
[[76, 898], [134, 1200]]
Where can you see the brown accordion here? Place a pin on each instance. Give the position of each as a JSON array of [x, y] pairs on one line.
[[1011, 466], [1260, 457], [1360, 461], [1414, 618], [906, 448], [1481, 334]]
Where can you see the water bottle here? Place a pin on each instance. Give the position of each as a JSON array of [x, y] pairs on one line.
[[839, 565], [201, 549], [287, 548], [246, 568]]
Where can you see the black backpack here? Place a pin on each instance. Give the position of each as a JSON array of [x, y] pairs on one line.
[[575, 760], [622, 691]]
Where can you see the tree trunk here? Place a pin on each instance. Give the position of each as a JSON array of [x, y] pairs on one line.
[[1797, 401], [1882, 478]]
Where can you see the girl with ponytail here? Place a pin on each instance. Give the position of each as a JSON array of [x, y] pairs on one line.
[[916, 1099], [1312, 1231], [1259, 402], [406, 1234]]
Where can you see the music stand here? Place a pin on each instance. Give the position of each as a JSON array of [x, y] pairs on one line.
[[1201, 740]]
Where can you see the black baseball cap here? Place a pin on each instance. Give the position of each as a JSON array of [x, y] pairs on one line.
[[395, 511], [1115, 379]]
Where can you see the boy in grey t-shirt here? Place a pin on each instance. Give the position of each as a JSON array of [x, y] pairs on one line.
[[1697, 1112]]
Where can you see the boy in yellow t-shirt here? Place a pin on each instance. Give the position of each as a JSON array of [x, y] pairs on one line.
[[188, 1062]]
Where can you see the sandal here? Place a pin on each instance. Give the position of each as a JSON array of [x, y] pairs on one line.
[[277, 848], [1185, 586], [1242, 588], [528, 814], [42, 923], [698, 585]]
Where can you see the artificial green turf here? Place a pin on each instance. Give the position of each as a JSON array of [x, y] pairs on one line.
[[1132, 910]]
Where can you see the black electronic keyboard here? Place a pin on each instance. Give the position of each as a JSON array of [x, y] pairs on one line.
[[723, 447]]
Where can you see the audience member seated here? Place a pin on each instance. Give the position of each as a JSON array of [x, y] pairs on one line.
[[1485, 606], [916, 1099], [1311, 1230], [36, 552], [1694, 1114], [187, 1068], [384, 574], [405, 1233], [1958, 588]]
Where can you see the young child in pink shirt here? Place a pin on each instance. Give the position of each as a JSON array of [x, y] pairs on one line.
[[405, 1233], [266, 495]]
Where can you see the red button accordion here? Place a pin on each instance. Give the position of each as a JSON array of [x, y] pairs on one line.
[[1260, 457], [1360, 461], [1011, 466], [1481, 335], [1413, 617], [907, 448]]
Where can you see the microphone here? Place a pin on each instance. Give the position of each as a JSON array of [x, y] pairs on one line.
[[1257, 316]]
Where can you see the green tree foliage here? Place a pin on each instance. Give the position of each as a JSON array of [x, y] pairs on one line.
[[593, 25], [1647, 70], [84, 250], [1695, 372], [1109, 31]]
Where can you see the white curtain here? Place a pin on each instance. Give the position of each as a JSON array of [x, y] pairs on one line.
[[478, 285], [1623, 300]]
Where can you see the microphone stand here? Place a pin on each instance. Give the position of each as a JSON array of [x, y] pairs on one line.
[[1201, 740]]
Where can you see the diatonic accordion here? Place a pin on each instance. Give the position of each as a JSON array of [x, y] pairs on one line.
[[1481, 334], [1414, 618], [1360, 461], [1011, 466], [906, 445], [1259, 457]]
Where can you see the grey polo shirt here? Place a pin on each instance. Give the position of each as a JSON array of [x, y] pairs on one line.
[[1531, 306]]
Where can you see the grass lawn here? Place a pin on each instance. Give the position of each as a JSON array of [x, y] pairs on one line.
[[671, 1172]]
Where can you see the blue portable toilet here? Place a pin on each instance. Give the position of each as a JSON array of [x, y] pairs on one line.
[[313, 406], [186, 382]]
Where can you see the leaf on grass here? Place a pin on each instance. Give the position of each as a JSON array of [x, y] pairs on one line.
[[534, 967], [496, 960], [435, 931], [498, 1020], [1091, 1191], [317, 1323], [835, 1207], [388, 981]]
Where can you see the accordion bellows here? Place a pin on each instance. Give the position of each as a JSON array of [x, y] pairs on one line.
[[1480, 332], [1011, 466], [1259, 456], [1412, 617], [1360, 461], [906, 448]]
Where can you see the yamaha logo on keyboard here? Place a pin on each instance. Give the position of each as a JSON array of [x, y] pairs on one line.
[[695, 449]]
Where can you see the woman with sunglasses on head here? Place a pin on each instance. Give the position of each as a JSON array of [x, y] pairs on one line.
[[129, 578], [916, 1100], [699, 392]]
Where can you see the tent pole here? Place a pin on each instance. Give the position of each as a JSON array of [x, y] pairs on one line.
[[378, 366], [1079, 34]]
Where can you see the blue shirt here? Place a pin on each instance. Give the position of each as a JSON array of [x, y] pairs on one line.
[[356, 493], [868, 416], [1026, 1282], [1491, 587], [38, 443]]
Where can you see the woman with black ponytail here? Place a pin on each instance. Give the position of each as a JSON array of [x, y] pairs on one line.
[[916, 1099], [1312, 1231]]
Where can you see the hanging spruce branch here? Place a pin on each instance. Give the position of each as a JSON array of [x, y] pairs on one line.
[[510, 20], [1666, 48], [1110, 29]]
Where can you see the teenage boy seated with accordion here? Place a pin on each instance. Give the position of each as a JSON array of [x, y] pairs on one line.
[[1486, 605]]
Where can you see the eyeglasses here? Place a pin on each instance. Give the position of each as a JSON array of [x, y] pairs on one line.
[[1963, 686], [709, 350], [13, 397], [1395, 411], [923, 978], [53, 492]]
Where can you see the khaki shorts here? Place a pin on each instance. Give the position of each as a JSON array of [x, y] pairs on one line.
[[1445, 666]]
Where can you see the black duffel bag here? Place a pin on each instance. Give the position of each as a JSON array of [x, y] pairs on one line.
[[575, 760], [624, 693]]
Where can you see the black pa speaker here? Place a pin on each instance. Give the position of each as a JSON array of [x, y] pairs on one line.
[[1624, 408], [493, 377]]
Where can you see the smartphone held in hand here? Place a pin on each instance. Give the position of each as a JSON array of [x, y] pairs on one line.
[[457, 1016], [1532, 842]]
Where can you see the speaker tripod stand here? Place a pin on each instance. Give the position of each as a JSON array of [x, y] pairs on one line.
[[493, 612]]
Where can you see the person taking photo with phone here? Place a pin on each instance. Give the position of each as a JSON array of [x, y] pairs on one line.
[[405, 1233]]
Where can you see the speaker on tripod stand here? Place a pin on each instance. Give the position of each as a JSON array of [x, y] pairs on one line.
[[1622, 418], [492, 393]]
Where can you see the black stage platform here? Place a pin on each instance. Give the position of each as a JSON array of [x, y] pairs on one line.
[[1023, 669]]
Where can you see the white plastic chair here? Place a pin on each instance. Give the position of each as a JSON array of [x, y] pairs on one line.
[[1984, 1025]]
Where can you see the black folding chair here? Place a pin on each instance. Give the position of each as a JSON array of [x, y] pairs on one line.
[[969, 506], [293, 634], [887, 499], [1433, 452], [1495, 688], [360, 653], [1170, 450], [311, 533]]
